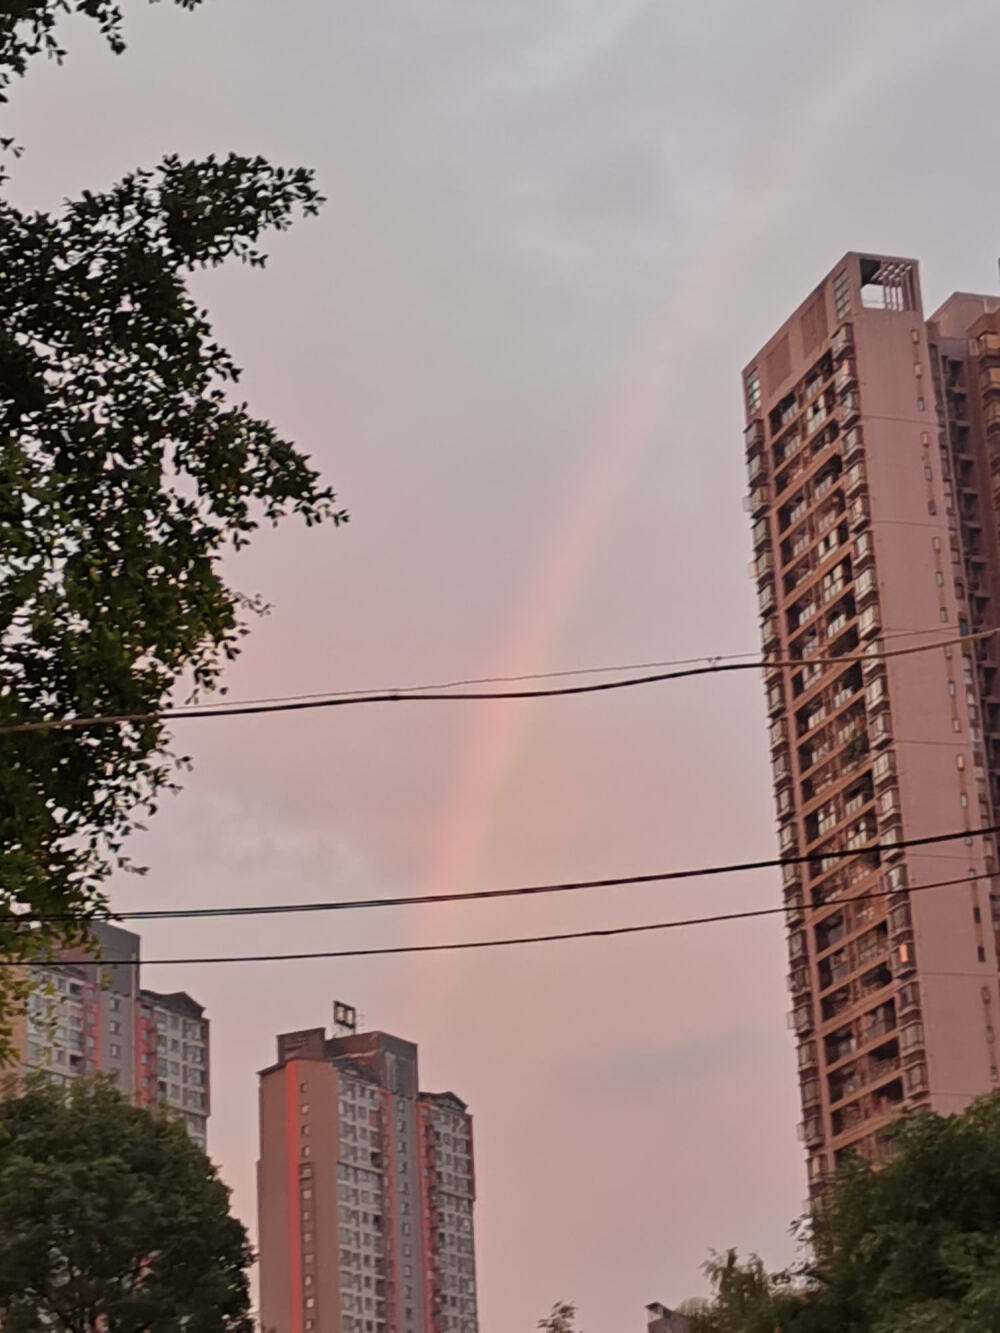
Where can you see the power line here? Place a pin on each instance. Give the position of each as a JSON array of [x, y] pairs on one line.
[[474, 895], [561, 674], [506, 942], [401, 696]]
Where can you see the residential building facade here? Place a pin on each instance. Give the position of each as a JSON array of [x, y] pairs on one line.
[[873, 449], [90, 1016], [366, 1188]]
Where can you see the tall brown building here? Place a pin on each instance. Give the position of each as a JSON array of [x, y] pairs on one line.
[[365, 1190], [873, 447]]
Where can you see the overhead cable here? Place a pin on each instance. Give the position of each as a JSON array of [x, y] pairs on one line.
[[439, 696], [475, 895], [503, 942]]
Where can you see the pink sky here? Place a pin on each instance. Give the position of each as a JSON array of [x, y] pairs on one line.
[[556, 230]]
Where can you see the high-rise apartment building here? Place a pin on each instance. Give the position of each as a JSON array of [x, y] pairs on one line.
[[91, 1017], [365, 1190], [873, 447]]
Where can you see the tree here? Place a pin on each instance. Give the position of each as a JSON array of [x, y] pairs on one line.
[[746, 1297], [560, 1319], [912, 1246], [112, 1219], [126, 473]]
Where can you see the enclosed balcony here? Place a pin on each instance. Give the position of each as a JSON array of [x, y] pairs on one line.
[[754, 434], [843, 340]]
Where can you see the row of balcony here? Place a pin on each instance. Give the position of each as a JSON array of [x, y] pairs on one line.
[[815, 473], [814, 384]]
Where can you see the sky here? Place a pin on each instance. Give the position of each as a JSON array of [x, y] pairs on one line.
[[555, 232]]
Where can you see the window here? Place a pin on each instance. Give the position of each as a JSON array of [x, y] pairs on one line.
[[841, 294], [115, 1050], [921, 405], [753, 390], [944, 613]]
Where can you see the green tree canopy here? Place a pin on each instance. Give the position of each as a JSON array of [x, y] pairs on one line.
[[910, 1247], [127, 471], [111, 1219]]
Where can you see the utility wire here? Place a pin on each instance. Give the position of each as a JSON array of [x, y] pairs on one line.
[[398, 696], [474, 895], [461, 945], [533, 675]]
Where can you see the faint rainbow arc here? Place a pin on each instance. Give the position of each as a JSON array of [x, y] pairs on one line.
[[745, 214]]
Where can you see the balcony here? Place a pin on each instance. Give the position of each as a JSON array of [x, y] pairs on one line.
[[793, 900], [811, 1131], [754, 434], [905, 957], [868, 621], [855, 480], [854, 445], [816, 416], [758, 499], [845, 377], [857, 512], [861, 835], [801, 1019], [900, 924], [865, 586], [848, 408], [793, 514], [843, 339], [824, 485], [876, 695], [863, 551], [915, 1080], [798, 982]]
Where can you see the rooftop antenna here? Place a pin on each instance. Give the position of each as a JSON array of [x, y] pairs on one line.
[[345, 1019]]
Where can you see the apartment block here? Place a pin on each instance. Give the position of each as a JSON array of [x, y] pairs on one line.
[[873, 449], [366, 1189], [90, 1016]]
